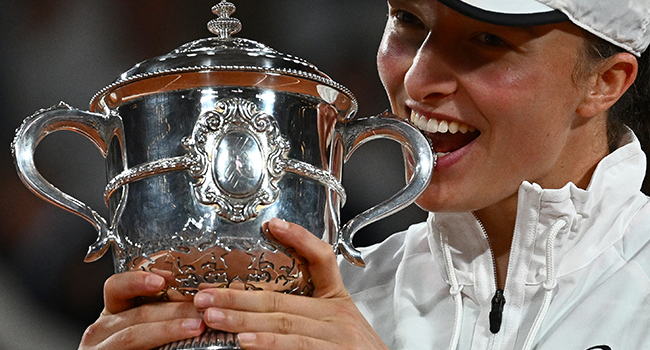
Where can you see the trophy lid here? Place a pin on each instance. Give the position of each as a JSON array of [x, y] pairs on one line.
[[221, 53]]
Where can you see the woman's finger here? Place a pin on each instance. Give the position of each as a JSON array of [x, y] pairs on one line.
[[142, 336], [278, 323], [239, 311], [320, 255], [270, 302], [150, 313], [121, 289]]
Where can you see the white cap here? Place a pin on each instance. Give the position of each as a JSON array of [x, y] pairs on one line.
[[622, 22]]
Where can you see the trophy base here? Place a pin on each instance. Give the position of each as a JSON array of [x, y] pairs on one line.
[[210, 340]]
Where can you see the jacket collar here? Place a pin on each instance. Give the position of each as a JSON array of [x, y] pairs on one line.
[[597, 217]]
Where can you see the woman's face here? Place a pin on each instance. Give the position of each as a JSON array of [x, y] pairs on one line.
[[498, 103]]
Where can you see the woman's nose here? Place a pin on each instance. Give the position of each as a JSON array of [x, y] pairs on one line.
[[431, 74]]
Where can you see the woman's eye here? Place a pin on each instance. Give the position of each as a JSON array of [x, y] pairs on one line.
[[491, 39], [406, 17]]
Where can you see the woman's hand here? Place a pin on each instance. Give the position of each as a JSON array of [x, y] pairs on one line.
[[270, 320], [123, 325]]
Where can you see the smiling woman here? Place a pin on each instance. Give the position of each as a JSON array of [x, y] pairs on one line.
[[537, 235]]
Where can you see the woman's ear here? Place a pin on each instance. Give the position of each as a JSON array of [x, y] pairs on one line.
[[611, 78]]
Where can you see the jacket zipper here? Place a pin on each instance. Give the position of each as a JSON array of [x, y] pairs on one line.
[[498, 300], [496, 313]]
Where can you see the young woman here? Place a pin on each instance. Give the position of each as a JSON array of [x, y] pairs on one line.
[[538, 233]]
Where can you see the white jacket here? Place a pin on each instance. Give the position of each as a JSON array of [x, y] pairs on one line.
[[589, 289]]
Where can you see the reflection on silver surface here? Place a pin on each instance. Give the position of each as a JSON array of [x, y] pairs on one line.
[[235, 144], [235, 158], [206, 144]]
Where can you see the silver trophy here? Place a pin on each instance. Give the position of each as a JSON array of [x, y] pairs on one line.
[[203, 146]]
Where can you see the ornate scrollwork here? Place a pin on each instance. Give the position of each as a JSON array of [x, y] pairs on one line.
[[237, 148], [239, 264], [237, 154]]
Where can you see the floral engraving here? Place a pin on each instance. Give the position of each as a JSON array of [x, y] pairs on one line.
[[259, 267]]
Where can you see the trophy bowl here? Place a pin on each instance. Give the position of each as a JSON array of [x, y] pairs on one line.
[[205, 145]]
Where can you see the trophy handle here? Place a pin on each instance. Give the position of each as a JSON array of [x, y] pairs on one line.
[[34, 128], [386, 125]]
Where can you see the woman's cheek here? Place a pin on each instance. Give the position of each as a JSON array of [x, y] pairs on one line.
[[498, 94], [393, 60], [386, 65]]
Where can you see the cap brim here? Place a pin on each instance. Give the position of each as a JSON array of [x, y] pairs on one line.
[[523, 13]]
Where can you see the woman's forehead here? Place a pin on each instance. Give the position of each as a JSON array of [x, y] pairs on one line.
[[437, 16], [622, 23]]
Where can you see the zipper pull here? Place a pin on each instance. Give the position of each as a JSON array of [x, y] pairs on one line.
[[496, 313]]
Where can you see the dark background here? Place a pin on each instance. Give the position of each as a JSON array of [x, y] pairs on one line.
[[67, 50]]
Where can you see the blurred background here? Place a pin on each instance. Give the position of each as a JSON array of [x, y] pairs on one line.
[[67, 50]]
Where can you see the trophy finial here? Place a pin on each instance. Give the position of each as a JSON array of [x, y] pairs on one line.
[[224, 26]]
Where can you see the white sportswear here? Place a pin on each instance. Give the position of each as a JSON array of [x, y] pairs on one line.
[[577, 275]]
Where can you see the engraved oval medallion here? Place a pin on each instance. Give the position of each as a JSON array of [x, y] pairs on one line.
[[238, 164]]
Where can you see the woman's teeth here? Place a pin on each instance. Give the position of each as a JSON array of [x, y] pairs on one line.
[[443, 126]]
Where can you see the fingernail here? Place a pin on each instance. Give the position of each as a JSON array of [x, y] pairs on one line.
[[215, 316], [280, 224], [203, 300], [154, 281], [191, 324], [161, 272], [245, 338]]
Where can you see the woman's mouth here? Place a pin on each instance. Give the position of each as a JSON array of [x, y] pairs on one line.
[[446, 136]]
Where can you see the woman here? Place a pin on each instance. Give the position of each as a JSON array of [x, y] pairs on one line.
[[540, 229]]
